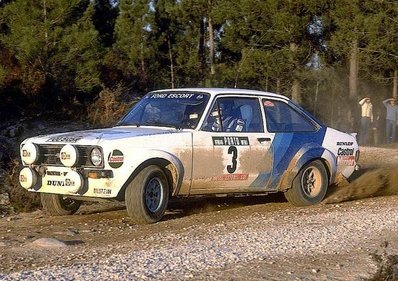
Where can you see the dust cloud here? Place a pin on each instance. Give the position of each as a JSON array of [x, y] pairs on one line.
[[380, 182]]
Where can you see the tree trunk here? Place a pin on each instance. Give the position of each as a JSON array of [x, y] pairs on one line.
[[316, 97], [296, 94], [45, 23], [201, 49], [353, 79], [171, 63], [211, 42], [395, 84], [142, 58], [278, 86]]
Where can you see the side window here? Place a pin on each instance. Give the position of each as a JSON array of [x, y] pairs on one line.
[[281, 117], [234, 115]]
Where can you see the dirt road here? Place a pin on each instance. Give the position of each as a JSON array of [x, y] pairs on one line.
[[218, 239]]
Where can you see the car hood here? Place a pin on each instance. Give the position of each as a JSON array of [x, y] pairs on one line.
[[94, 137]]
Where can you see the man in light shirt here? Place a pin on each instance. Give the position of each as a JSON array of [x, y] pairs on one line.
[[391, 119], [366, 119]]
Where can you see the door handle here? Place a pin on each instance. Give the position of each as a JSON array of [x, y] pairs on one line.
[[261, 140]]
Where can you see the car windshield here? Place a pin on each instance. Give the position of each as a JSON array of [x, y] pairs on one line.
[[181, 110]]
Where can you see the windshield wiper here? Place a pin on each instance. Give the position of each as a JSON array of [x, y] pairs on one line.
[[159, 124], [178, 127], [128, 124]]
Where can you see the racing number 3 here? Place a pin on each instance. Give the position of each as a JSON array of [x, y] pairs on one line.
[[232, 168]]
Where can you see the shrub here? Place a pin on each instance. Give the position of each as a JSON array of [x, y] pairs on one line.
[[108, 107], [20, 199], [387, 265]]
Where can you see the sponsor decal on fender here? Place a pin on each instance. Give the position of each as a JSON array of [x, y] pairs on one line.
[[103, 191], [346, 160], [116, 159], [345, 156], [341, 143], [345, 151], [231, 177]]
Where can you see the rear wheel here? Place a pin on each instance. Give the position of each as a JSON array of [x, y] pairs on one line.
[[309, 186], [58, 205], [147, 195]]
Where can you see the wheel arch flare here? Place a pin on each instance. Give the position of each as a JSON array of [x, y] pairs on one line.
[[306, 154], [171, 165]]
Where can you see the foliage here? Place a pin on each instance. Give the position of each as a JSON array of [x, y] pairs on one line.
[[3, 74], [55, 53], [107, 109], [132, 39], [54, 43], [20, 199], [387, 265]]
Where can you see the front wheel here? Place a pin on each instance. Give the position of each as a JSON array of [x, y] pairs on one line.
[[58, 205], [309, 186], [147, 195]]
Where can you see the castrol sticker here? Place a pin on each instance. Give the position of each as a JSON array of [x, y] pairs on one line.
[[116, 159]]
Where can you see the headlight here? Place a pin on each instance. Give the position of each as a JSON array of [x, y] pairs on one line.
[[29, 153], [96, 157], [69, 155]]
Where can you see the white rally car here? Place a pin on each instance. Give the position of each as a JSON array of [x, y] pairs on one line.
[[190, 142]]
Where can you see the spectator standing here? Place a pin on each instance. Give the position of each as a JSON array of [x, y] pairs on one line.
[[366, 119], [391, 119], [377, 125]]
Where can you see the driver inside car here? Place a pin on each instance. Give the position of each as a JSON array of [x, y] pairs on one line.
[[225, 117], [230, 117]]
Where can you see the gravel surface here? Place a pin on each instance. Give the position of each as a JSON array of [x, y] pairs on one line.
[[268, 237], [223, 239]]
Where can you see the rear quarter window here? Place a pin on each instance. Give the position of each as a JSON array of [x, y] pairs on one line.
[[281, 117]]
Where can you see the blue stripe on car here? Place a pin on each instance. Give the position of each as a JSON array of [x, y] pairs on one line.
[[284, 147]]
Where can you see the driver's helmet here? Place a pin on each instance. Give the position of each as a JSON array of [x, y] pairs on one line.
[[226, 107]]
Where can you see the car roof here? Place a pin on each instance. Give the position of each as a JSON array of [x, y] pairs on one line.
[[217, 91]]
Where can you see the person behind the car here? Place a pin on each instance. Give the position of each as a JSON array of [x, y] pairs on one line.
[[391, 119], [366, 119], [377, 128]]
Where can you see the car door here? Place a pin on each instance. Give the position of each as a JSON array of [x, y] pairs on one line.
[[292, 131], [231, 152]]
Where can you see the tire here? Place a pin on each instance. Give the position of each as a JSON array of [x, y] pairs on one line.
[[309, 186], [57, 205], [147, 196]]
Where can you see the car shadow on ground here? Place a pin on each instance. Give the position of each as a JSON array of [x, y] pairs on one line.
[[189, 206], [183, 207]]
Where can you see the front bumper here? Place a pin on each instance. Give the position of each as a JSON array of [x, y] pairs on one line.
[[69, 181]]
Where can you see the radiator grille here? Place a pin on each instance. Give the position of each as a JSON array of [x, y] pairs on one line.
[[49, 155]]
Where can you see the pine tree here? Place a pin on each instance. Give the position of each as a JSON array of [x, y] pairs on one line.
[[104, 18], [55, 44], [268, 42], [133, 46]]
